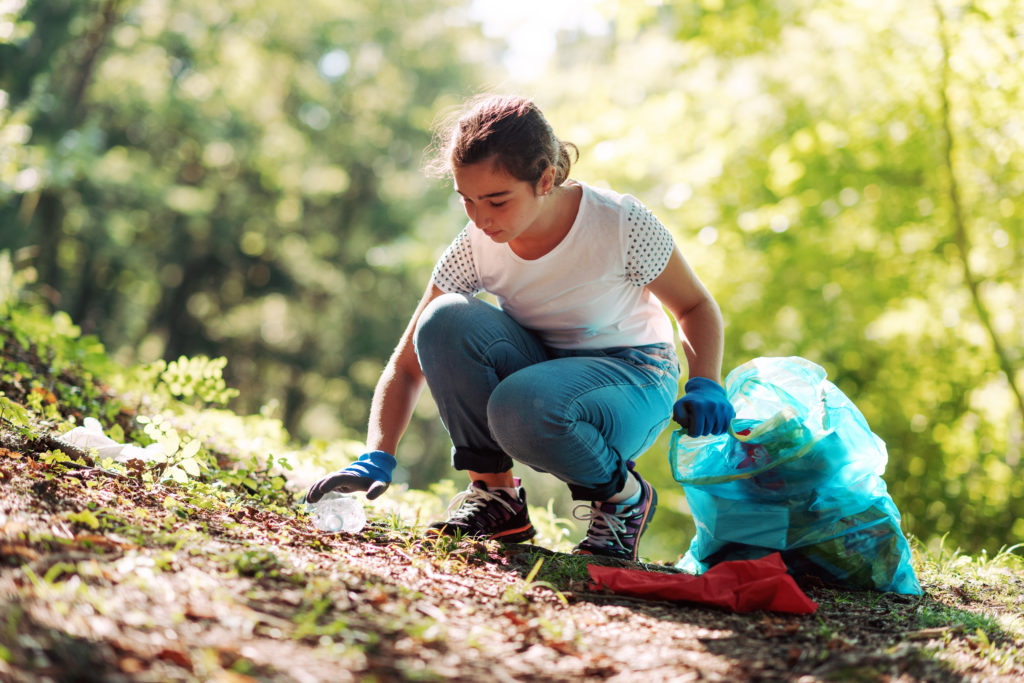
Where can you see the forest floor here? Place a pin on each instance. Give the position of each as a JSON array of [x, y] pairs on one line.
[[192, 571], [105, 578]]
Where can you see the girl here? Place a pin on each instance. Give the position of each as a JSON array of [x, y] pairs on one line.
[[574, 373]]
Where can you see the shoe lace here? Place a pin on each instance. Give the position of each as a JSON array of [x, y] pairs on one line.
[[605, 527], [467, 503]]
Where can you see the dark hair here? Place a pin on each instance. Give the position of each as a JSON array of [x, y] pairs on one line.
[[510, 130]]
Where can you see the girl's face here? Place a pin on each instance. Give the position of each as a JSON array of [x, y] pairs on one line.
[[503, 207]]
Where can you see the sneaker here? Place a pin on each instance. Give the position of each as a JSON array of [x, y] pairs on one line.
[[614, 531], [483, 513]]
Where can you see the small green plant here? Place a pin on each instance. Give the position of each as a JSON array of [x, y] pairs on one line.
[[562, 571], [517, 592], [257, 563], [1002, 656], [442, 548], [55, 457], [59, 569], [824, 632], [197, 378], [85, 518], [13, 412], [178, 454], [552, 531], [260, 480], [992, 627]]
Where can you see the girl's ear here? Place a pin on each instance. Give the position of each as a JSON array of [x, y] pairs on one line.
[[546, 182]]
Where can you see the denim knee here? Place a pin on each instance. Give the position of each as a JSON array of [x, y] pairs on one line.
[[444, 314], [515, 411], [534, 427]]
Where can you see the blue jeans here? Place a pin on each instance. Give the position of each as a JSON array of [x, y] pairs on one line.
[[503, 395]]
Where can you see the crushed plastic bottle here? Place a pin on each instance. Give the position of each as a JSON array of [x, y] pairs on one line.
[[336, 513], [90, 436]]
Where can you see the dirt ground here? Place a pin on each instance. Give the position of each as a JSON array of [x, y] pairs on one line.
[[105, 579]]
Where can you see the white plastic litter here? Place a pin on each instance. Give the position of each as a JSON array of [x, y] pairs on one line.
[[90, 436], [336, 512]]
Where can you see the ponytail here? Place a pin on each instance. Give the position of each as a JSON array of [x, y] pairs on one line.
[[509, 130]]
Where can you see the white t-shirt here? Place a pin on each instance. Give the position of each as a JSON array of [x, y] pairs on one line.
[[589, 292]]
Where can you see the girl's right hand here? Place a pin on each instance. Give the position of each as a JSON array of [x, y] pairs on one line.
[[370, 473]]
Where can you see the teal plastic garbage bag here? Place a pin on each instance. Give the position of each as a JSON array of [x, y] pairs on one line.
[[800, 473]]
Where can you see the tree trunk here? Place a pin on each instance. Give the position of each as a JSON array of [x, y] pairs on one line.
[[960, 237]]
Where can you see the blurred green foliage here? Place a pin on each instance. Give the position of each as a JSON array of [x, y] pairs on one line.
[[239, 179], [236, 179], [847, 179]]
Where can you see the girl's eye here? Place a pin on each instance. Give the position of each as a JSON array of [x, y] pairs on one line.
[[497, 204]]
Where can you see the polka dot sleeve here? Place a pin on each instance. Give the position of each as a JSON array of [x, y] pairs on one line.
[[456, 272], [648, 245]]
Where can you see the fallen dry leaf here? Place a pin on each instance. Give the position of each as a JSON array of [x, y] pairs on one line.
[[17, 552], [175, 657]]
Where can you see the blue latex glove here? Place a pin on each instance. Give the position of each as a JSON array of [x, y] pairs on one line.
[[704, 408], [370, 473]]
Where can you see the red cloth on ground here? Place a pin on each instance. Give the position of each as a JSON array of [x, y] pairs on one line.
[[738, 585]]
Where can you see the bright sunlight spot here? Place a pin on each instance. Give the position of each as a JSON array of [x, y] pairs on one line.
[[531, 28]]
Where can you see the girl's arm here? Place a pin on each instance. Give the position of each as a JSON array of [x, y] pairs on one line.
[[398, 388], [699, 318]]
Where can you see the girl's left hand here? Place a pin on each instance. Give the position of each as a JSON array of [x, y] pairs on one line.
[[704, 408]]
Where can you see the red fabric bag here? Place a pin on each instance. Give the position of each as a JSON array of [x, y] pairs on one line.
[[737, 585]]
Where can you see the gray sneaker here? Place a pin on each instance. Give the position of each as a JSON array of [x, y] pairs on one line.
[[483, 513], [615, 532]]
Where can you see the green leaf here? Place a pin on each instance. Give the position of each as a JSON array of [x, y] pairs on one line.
[[190, 466], [85, 518], [176, 474], [171, 442], [190, 449], [15, 413], [116, 433]]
